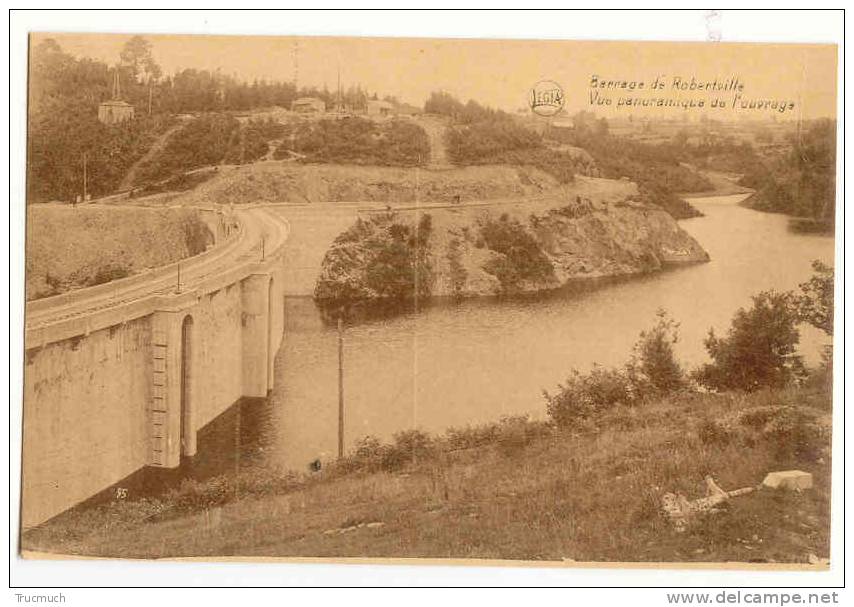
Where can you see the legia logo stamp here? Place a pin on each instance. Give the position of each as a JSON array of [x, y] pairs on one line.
[[546, 98]]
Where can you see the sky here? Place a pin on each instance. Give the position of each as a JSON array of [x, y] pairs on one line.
[[501, 73]]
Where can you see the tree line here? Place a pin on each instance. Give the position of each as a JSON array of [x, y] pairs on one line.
[[63, 127]]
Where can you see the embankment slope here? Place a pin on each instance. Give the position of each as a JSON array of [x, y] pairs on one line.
[[70, 248], [289, 182]]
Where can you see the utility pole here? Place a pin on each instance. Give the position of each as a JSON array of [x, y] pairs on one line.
[[296, 67], [340, 387], [85, 177]]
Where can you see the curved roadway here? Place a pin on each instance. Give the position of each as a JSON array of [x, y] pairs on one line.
[[261, 235]]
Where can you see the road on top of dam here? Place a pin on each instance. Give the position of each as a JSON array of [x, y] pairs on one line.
[[260, 232]]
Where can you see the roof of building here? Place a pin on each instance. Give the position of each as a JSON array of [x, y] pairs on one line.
[[116, 102], [308, 100], [381, 103]]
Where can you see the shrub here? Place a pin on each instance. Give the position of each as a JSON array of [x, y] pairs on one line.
[[368, 455], [253, 140], [473, 143], [204, 141], [371, 455], [653, 358], [400, 266], [471, 436], [520, 259], [457, 271], [652, 369], [500, 140], [793, 432], [178, 183], [711, 432], [583, 396], [108, 273], [759, 349], [795, 435], [378, 257], [197, 236], [515, 432], [408, 446], [360, 141]]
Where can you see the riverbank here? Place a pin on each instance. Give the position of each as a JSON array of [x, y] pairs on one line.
[[514, 490]]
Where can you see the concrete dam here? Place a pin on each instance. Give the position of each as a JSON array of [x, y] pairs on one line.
[[123, 375]]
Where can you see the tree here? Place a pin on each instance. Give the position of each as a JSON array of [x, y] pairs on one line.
[[653, 358], [759, 349], [815, 304], [136, 56]]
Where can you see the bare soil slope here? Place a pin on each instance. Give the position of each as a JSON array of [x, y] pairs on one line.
[[284, 181]]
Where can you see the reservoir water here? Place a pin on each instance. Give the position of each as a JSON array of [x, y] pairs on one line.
[[459, 363]]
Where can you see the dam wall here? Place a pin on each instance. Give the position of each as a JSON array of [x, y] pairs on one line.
[[128, 382]]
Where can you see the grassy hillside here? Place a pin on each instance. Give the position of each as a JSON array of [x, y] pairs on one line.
[[512, 490]]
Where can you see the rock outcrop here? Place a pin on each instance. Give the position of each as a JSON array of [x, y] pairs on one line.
[[484, 251]]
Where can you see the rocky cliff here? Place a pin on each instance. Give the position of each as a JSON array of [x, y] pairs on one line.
[[485, 250]]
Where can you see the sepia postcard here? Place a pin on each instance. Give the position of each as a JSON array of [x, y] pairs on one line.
[[468, 301]]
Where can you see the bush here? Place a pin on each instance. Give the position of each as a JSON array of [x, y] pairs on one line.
[[108, 273], [651, 370], [197, 236], [500, 140], [521, 259], [253, 141], [653, 358], [457, 271], [204, 141], [359, 141], [759, 349], [711, 432], [515, 432], [794, 433], [408, 446], [378, 257], [584, 396]]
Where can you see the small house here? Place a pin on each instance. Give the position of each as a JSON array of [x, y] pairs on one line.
[[309, 105], [378, 107], [115, 111]]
